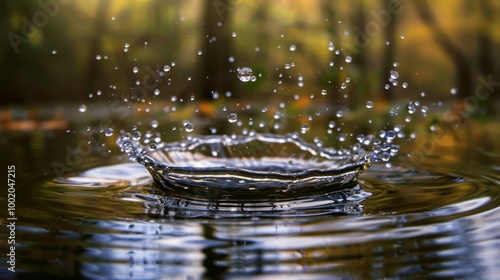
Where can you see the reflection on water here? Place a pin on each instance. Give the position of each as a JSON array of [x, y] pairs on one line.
[[439, 220]]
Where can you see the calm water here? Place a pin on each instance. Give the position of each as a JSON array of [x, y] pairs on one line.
[[106, 220]]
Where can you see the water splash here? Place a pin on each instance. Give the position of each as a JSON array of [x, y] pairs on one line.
[[254, 168]]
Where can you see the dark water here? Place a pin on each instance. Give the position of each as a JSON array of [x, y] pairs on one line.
[[440, 219]]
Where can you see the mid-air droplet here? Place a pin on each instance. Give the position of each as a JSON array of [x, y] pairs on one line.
[[108, 132], [232, 118], [188, 127], [245, 74]]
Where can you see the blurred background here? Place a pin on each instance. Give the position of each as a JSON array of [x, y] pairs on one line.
[[386, 51]]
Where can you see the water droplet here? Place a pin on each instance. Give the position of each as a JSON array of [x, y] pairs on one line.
[[108, 132], [339, 114], [156, 92], [232, 118], [385, 156], [188, 127], [304, 128], [234, 34], [152, 147], [391, 134], [200, 52], [154, 123], [166, 68], [245, 74], [293, 48], [331, 124], [453, 91], [404, 85], [403, 37], [343, 86], [369, 104], [136, 135], [135, 69], [394, 74], [411, 108], [331, 46], [53, 52], [82, 108], [348, 59], [323, 92], [98, 57]]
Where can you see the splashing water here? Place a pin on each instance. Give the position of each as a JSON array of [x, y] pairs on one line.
[[257, 167], [250, 168]]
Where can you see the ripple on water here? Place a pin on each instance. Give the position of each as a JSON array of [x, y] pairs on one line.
[[435, 221]]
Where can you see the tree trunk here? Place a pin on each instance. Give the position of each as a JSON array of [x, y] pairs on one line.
[[261, 18], [215, 66], [389, 54], [462, 65], [485, 44], [333, 75], [93, 70], [358, 66], [165, 25], [485, 59]]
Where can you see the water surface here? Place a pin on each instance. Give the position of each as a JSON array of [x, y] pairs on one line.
[[108, 220]]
